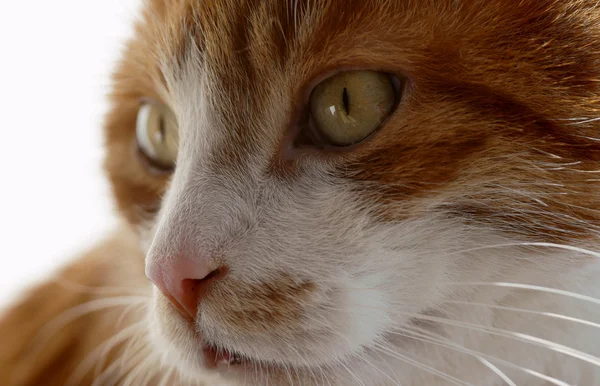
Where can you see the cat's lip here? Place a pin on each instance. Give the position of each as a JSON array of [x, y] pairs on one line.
[[214, 358]]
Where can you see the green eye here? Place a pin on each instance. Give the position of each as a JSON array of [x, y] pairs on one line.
[[158, 134], [348, 107]]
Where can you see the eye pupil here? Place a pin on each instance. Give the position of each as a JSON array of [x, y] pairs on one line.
[[346, 101], [161, 128]]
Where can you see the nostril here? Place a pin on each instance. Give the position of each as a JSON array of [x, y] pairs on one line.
[[214, 274], [183, 280], [193, 291]]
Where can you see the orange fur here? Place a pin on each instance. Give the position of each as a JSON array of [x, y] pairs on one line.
[[41, 345], [489, 128]]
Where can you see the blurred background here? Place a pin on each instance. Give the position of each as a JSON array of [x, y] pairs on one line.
[[54, 74]]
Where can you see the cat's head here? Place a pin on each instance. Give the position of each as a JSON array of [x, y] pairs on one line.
[[334, 169]]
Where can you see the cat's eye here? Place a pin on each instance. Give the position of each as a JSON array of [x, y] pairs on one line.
[[157, 134], [348, 107]]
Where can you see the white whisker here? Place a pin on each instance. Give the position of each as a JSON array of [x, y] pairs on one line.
[[380, 371], [104, 290], [144, 365], [532, 244], [557, 347], [504, 333], [356, 378], [590, 138], [583, 121], [134, 345], [556, 291], [429, 337], [117, 366], [101, 352], [167, 377], [541, 313], [496, 370], [126, 312], [396, 382], [422, 366], [73, 313], [387, 365]]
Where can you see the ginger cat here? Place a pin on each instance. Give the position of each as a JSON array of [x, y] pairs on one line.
[[339, 192]]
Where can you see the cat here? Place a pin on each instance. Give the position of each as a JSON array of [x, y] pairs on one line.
[[339, 192]]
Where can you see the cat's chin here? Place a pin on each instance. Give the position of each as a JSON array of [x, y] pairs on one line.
[[233, 365], [202, 357], [197, 359], [238, 368], [211, 345], [184, 348]]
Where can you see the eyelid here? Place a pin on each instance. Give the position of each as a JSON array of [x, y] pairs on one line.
[[150, 101]]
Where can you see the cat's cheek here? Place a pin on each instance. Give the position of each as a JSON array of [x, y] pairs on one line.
[[145, 231], [368, 307]]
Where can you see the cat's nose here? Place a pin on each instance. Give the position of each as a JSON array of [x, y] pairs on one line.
[[184, 282]]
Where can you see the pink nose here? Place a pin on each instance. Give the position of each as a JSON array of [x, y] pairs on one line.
[[184, 282]]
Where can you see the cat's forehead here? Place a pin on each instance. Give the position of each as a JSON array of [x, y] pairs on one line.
[[254, 60], [249, 65], [245, 41], [487, 80], [248, 45]]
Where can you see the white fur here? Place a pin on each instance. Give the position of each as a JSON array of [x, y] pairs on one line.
[[373, 276]]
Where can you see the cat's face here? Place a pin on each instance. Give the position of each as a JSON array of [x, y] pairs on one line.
[[342, 163]]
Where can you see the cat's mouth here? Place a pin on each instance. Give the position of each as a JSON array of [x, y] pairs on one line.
[[233, 362], [214, 357]]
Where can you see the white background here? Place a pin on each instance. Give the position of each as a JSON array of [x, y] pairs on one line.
[[55, 61]]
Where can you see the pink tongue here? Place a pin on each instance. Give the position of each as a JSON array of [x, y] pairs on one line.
[[212, 358]]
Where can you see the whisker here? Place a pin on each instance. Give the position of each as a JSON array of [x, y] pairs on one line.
[[103, 290], [328, 381], [100, 352], [556, 291], [356, 378], [289, 374], [422, 366], [134, 345], [167, 377], [429, 337], [49, 329], [102, 380], [584, 121], [546, 378], [380, 371], [486, 363], [387, 365], [89, 307], [128, 309], [532, 244], [590, 138], [522, 310], [504, 333], [138, 369], [498, 372], [557, 347]]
